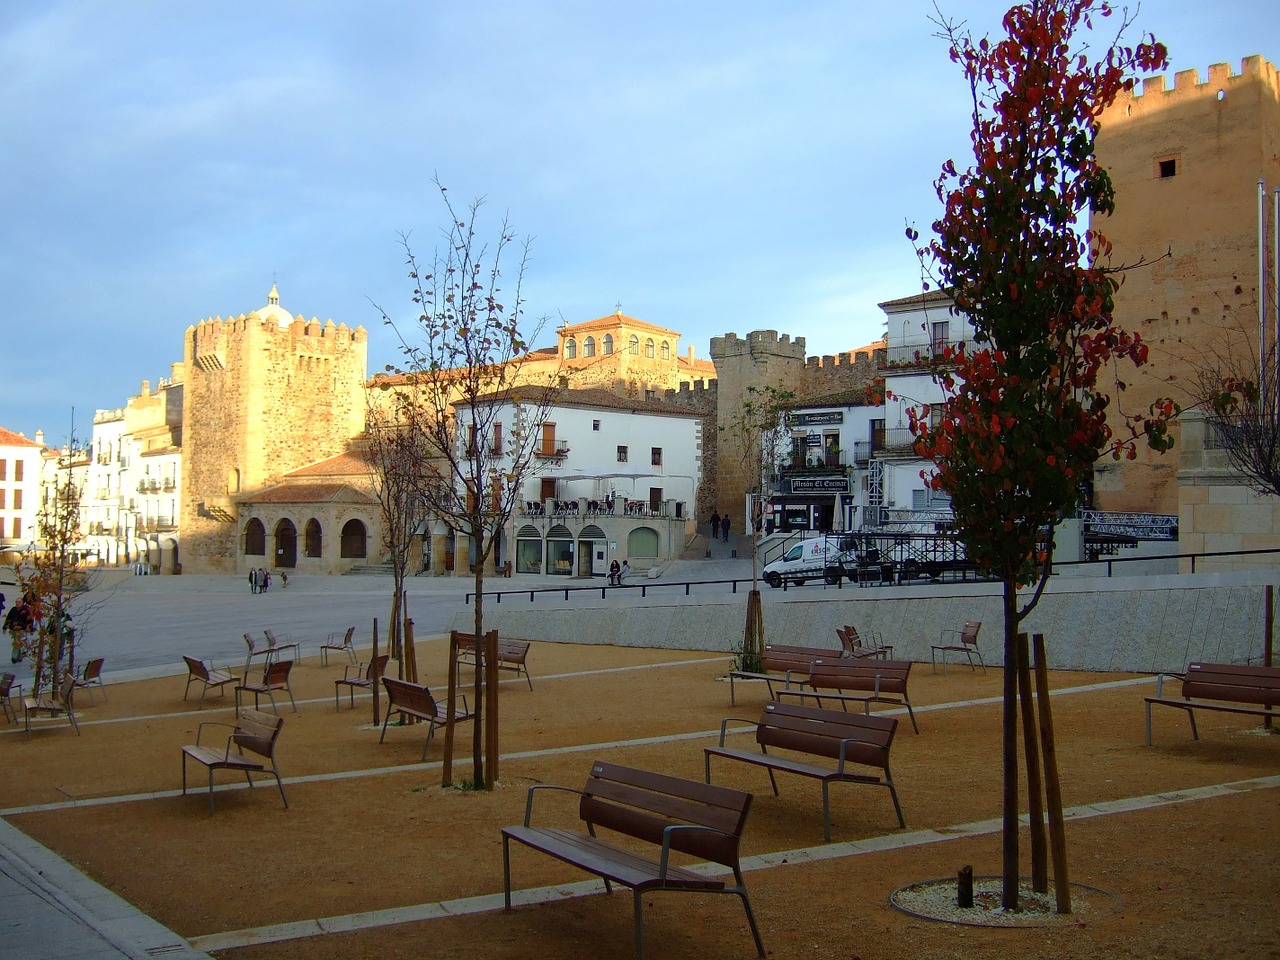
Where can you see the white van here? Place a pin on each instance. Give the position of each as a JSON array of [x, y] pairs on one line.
[[808, 560]]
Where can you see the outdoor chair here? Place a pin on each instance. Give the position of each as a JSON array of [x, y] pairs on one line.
[[276, 644], [964, 640], [254, 652], [253, 731], [199, 671], [274, 677], [92, 677], [365, 680], [6, 696], [855, 648], [56, 704], [345, 645]]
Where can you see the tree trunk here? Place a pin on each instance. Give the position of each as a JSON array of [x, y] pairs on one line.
[[1009, 890]]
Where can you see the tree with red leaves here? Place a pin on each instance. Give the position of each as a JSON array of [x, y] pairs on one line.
[[1024, 416]]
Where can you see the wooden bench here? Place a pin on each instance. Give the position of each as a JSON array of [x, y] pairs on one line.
[[780, 662], [879, 681], [253, 731], [414, 700], [847, 738], [512, 654], [693, 818], [1250, 690]]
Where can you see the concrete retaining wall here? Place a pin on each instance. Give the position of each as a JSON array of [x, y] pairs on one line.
[[1132, 624]]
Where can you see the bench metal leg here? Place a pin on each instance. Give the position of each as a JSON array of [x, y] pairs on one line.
[[639, 907], [826, 810], [893, 792], [741, 891], [506, 872]]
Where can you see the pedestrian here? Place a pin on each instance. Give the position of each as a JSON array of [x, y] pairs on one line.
[[624, 572], [724, 526], [284, 581], [615, 573], [266, 580], [253, 579], [715, 526]]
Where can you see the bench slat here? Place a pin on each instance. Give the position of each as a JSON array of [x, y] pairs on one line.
[[605, 860], [1232, 685]]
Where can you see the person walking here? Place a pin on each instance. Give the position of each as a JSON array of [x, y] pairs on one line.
[[253, 579], [724, 527], [715, 526]]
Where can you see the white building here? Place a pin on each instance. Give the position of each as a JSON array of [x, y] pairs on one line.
[[20, 462], [612, 479]]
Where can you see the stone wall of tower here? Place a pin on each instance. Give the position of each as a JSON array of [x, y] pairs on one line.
[[701, 397], [260, 399], [1185, 160], [760, 359]]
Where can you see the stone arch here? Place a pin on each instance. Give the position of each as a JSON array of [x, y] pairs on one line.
[[255, 538], [633, 346], [570, 349], [666, 350], [642, 544], [648, 348], [608, 344], [286, 535], [354, 540], [589, 347], [313, 539]]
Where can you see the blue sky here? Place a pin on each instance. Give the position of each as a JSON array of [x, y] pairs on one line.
[[711, 166]]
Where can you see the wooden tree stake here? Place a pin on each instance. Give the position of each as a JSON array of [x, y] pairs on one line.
[[1035, 804], [1053, 793]]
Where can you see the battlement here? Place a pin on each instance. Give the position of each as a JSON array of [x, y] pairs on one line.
[[700, 395], [847, 359], [1153, 92], [757, 342]]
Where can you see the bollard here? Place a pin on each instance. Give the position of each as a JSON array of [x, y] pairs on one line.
[[964, 887]]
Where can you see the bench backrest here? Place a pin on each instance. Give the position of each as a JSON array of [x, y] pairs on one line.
[[820, 732], [377, 667], [196, 668], [6, 683], [860, 675], [93, 669], [514, 650], [780, 657], [642, 804], [276, 674], [412, 695], [1232, 681], [249, 642], [257, 732], [969, 633]]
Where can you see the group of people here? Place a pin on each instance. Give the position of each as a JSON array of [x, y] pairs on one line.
[[25, 619], [618, 573], [720, 527], [260, 580]]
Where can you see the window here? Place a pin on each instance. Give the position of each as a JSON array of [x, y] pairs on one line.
[[353, 539], [570, 349], [648, 348], [622, 454], [2, 498], [666, 350], [17, 470], [496, 449], [608, 344], [655, 456], [589, 347], [549, 439], [17, 527], [3, 469], [255, 539], [595, 425], [633, 346], [1, 528], [312, 538], [941, 334], [1167, 166], [17, 500]]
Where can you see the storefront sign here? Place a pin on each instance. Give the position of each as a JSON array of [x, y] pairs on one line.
[[820, 485], [815, 419]]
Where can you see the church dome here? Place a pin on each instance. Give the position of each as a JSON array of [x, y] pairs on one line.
[[273, 310]]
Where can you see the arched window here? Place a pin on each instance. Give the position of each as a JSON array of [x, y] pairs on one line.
[[570, 349], [233, 480], [608, 344], [353, 539], [633, 346], [286, 544], [255, 539], [313, 538], [589, 347], [666, 350], [648, 348]]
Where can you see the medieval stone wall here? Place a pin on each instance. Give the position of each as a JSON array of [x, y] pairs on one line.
[[260, 399], [1185, 161]]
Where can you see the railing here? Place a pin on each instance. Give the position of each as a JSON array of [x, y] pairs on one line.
[[557, 452], [687, 586], [893, 440], [918, 354]]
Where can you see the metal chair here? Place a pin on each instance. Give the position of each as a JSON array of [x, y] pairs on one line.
[[274, 677], [92, 677]]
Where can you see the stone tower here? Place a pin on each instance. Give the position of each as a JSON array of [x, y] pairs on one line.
[[265, 394], [1186, 161], [762, 359]]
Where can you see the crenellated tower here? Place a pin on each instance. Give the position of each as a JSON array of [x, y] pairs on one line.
[[265, 393], [1186, 161]]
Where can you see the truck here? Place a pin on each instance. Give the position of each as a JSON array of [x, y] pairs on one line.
[[830, 559]]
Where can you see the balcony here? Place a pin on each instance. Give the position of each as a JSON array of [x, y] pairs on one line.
[[912, 356], [893, 442], [168, 485], [557, 450]]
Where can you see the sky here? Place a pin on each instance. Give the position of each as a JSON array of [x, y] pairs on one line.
[[709, 167]]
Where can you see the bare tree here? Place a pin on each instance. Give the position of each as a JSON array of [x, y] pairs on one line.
[[1240, 393], [468, 390], [757, 433]]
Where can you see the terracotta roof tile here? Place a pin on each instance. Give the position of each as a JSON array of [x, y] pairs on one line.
[[308, 493], [10, 439]]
